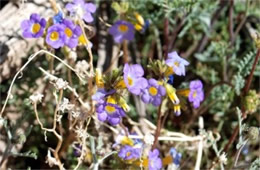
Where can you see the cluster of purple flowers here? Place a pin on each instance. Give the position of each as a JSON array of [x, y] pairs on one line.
[[150, 91], [63, 32], [196, 94], [106, 108]]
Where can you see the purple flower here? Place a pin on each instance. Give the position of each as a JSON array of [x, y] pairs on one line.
[[122, 30], [34, 27], [177, 63], [82, 9], [153, 93], [72, 33], [109, 112], [133, 78], [176, 156], [155, 161], [56, 36], [127, 152], [196, 94]]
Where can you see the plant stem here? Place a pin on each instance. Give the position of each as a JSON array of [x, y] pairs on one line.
[[246, 89], [125, 51], [158, 127], [24, 66], [166, 34], [230, 21], [249, 80]]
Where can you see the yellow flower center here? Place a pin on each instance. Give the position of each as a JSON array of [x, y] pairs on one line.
[[194, 94], [130, 81], [82, 39], [123, 28], [111, 100], [54, 36], [176, 63], [68, 32], [36, 28], [153, 91], [128, 154], [110, 109], [121, 84]]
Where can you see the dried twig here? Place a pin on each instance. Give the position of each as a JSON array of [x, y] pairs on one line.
[[25, 65]]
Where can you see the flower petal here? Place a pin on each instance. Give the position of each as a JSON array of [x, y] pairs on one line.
[[90, 7], [102, 116], [88, 17]]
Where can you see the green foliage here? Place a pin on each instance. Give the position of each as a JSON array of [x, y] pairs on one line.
[[208, 74], [255, 165], [243, 67], [220, 100]]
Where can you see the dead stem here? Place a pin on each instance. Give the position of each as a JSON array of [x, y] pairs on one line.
[[125, 49], [57, 109], [158, 127], [84, 146]]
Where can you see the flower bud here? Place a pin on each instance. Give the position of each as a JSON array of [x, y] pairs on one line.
[[253, 133], [251, 101]]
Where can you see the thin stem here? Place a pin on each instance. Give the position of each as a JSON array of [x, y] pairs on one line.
[[81, 158], [125, 49], [7, 150], [38, 119], [168, 138], [166, 35], [242, 22], [57, 109], [54, 6], [51, 66], [238, 153], [24, 66], [113, 60], [230, 21], [90, 80], [176, 31], [51, 77], [55, 153], [199, 155], [102, 159], [158, 127], [249, 80], [204, 40], [57, 149]]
